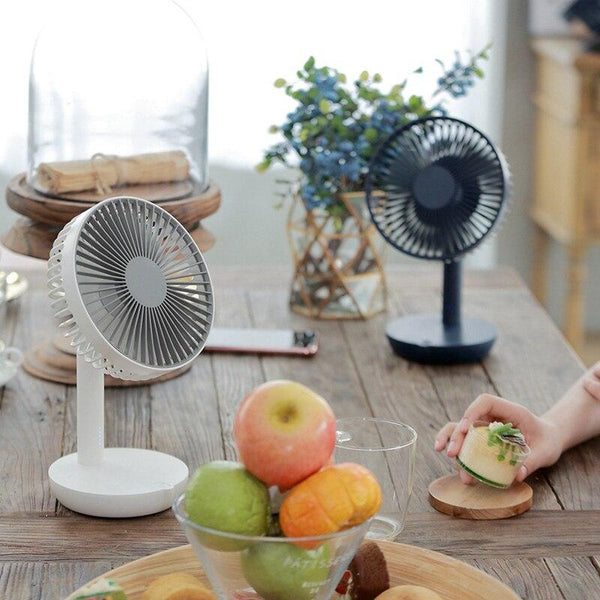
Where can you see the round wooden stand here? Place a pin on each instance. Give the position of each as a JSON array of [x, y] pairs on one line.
[[44, 217], [188, 209], [35, 239], [478, 501]]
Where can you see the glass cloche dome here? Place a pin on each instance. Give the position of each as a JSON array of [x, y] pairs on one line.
[[118, 88]]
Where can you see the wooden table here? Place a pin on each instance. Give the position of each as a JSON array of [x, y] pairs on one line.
[[551, 552]]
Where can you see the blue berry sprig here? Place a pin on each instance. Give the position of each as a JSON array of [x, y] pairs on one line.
[[335, 128]]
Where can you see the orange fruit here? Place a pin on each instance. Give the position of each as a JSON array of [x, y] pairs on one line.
[[335, 498]]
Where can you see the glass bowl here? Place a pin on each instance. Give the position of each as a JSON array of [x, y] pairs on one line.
[[276, 568], [493, 463]]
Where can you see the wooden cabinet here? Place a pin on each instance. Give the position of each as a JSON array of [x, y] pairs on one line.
[[566, 203]]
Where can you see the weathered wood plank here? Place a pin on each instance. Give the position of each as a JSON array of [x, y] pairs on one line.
[[529, 577], [47, 581], [61, 578], [545, 533], [21, 580], [330, 373], [235, 374], [415, 276], [31, 418], [537, 533], [576, 576], [185, 416], [76, 537]]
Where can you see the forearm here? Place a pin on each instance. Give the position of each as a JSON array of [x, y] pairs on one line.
[[576, 415]]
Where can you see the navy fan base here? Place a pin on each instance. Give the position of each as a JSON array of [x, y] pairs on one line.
[[425, 339]]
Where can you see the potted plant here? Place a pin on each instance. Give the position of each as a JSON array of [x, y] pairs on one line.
[[331, 136]]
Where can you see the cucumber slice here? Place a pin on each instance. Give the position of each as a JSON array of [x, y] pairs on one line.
[[500, 486]]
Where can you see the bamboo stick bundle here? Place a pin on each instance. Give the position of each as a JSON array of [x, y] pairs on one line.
[[103, 172]]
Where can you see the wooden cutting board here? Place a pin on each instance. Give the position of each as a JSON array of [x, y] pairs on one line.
[[450, 578]]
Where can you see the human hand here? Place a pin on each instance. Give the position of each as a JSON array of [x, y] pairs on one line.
[[591, 382], [541, 436]]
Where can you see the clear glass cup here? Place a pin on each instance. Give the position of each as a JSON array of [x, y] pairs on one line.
[[495, 463], [387, 449], [276, 568]]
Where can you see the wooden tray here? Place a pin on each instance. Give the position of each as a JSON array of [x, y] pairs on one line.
[[188, 210], [450, 578], [36, 239], [156, 192]]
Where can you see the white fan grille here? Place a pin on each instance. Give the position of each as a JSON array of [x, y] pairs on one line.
[[143, 282]]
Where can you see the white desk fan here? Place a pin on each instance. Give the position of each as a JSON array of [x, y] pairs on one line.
[[131, 288]]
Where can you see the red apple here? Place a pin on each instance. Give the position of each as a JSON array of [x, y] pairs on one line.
[[284, 433]]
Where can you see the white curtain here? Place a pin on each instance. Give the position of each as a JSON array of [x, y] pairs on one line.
[[250, 44]]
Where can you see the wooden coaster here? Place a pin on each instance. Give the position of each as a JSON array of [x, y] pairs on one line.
[[478, 501], [62, 343], [46, 361]]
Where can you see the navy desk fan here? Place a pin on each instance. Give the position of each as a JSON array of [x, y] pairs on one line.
[[435, 189]]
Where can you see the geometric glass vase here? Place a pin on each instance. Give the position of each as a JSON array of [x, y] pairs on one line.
[[338, 260]]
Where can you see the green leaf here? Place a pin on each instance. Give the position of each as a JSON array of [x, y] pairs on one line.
[[324, 105], [341, 78], [304, 133], [273, 129], [377, 78], [261, 167], [419, 70], [309, 64], [364, 76], [415, 102], [478, 72], [371, 134], [279, 83]]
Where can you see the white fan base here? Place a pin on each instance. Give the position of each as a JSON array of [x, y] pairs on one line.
[[129, 482]]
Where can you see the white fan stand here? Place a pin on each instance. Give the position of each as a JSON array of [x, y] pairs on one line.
[[111, 482], [124, 482]]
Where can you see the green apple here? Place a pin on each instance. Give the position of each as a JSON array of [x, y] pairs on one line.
[[282, 571], [223, 495]]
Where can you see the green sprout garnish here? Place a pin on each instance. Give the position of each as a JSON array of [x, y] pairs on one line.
[[506, 437]]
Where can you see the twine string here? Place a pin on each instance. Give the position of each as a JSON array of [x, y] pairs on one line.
[[102, 186]]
